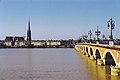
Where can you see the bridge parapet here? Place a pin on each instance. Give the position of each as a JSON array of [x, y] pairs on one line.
[[117, 47]]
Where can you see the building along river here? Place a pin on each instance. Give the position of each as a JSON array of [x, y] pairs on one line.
[[50, 64]]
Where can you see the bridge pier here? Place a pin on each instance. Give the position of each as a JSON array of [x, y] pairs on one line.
[[100, 62], [87, 55], [92, 57], [115, 70], [84, 53]]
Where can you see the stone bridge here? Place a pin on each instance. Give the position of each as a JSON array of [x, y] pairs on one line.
[[108, 55]]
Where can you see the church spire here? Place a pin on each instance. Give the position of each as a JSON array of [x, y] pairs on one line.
[[29, 25], [29, 34]]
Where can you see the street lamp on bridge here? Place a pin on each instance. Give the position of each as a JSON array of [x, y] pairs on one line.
[[104, 38], [86, 36], [90, 33], [97, 33], [111, 26]]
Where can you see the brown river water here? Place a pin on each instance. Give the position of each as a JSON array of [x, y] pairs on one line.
[[50, 64]]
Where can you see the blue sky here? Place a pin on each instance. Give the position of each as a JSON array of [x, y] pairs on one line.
[[58, 19]]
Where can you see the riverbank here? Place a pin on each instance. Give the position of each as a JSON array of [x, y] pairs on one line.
[[6, 47]]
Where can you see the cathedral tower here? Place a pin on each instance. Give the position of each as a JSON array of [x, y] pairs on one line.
[[29, 34]]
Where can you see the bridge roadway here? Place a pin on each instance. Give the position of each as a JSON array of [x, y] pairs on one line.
[[108, 55]]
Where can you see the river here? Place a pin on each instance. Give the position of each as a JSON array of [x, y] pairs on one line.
[[50, 64]]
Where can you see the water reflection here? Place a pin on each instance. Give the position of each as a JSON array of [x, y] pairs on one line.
[[28, 74]]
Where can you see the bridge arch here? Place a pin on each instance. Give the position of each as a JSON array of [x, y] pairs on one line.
[[91, 51], [87, 50], [109, 58], [84, 48], [97, 54]]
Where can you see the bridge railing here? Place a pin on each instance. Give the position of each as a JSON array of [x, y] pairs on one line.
[[116, 47], [107, 42]]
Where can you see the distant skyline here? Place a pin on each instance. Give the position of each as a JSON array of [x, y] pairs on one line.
[[58, 19]]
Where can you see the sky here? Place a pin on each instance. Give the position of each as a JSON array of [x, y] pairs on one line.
[[58, 19]]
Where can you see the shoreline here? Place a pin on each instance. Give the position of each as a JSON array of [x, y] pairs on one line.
[[31, 47]]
